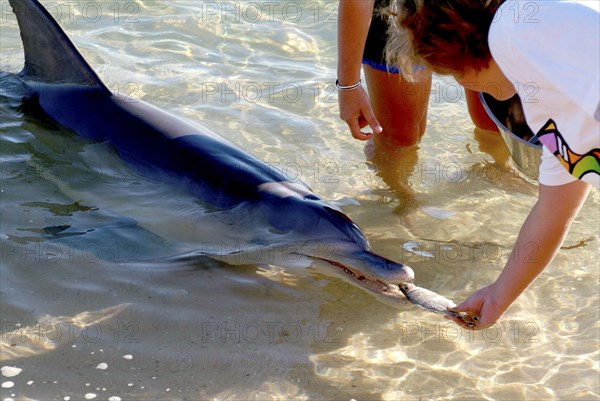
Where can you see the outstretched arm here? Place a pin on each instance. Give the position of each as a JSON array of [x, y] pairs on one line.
[[539, 240]]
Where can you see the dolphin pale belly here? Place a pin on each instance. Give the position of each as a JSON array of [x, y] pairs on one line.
[[243, 199]]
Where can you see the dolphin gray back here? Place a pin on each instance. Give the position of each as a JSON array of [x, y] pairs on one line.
[[50, 56]]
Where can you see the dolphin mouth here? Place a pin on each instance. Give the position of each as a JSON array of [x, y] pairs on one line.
[[370, 283]]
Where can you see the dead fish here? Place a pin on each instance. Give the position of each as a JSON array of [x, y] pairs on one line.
[[436, 303]]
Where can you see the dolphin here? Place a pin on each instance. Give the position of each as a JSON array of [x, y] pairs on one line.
[[242, 197]]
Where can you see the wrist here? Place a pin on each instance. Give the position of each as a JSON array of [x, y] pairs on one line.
[[348, 77], [348, 87], [349, 72], [502, 295]]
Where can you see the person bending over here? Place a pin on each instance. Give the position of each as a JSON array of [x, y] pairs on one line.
[[485, 45]]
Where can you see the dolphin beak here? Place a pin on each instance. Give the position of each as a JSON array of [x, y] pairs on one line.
[[380, 276], [369, 269], [380, 268]]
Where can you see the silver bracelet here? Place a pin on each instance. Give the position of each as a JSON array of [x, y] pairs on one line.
[[349, 87]]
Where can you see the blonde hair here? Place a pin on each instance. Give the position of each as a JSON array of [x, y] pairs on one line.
[[446, 36]]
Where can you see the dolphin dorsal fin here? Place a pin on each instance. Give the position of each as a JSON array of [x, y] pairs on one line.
[[49, 54]]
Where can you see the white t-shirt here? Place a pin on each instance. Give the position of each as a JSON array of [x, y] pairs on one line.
[[550, 51]]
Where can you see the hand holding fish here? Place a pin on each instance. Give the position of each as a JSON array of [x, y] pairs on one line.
[[486, 304]]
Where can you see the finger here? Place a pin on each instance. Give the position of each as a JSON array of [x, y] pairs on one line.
[[356, 132], [471, 304], [472, 327], [362, 123], [478, 325], [462, 307], [372, 121], [459, 322], [467, 320]]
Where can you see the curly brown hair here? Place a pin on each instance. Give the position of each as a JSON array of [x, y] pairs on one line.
[[447, 36]]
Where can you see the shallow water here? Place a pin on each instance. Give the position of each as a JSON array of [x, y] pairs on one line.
[[97, 309]]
